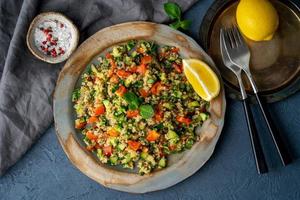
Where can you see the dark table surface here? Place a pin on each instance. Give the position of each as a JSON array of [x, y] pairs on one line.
[[46, 173]]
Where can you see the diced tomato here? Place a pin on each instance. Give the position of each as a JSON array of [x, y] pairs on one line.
[[146, 59], [162, 55], [90, 135], [121, 91], [172, 147], [143, 93], [140, 50], [142, 69], [113, 64], [174, 50], [90, 148], [183, 120], [113, 132], [97, 146], [178, 68], [112, 69], [156, 88], [107, 150], [123, 74], [114, 79], [99, 110], [132, 113], [134, 145], [158, 116], [152, 136], [133, 69], [108, 56], [92, 119], [110, 72], [80, 125]]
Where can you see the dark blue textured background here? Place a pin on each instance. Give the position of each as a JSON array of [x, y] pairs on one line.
[[45, 172]]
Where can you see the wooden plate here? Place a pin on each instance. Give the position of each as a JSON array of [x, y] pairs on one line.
[[180, 166]]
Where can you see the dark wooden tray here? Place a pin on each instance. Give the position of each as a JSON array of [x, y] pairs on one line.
[[275, 64]]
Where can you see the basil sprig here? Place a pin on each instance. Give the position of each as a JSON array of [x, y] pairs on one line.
[[173, 10], [132, 100], [146, 111]]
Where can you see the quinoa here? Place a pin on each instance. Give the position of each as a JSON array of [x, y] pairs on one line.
[[135, 106]]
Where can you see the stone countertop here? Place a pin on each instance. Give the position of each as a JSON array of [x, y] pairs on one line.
[[46, 173]]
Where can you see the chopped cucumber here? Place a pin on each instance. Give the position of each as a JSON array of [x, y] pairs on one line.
[[126, 159], [128, 60], [162, 162], [134, 54], [144, 155], [151, 160], [105, 103], [193, 104], [113, 160], [150, 81], [168, 105], [172, 135], [93, 68], [189, 143], [113, 141], [99, 153], [204, 116], [116, 52], [177, 93], [121, 146], [163, 76]]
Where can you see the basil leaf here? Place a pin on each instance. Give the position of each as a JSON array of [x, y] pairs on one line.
[[175, 25], [173, 10], [185, 24], [132, 100], [146, 111]]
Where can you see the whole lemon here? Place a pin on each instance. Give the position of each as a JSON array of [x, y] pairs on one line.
[[257, 19]]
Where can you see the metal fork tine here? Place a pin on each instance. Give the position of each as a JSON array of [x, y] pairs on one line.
[[227, 39], [236, 42], [236, 36], [232, 39], [241, 38]]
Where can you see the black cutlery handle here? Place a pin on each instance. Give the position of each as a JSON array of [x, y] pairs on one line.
[[260, 161], [280, 146]]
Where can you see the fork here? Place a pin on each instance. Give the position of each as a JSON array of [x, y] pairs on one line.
[[261, 165], [239, 55]]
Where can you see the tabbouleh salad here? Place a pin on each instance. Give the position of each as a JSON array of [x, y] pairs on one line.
[[135, 106]]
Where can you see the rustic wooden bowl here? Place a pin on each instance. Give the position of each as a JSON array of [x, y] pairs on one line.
[[30, 37], [180, 166]]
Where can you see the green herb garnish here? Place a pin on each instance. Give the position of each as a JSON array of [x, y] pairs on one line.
[[146, 111], [130, 44], [173, 10], [75, 95], [133, 100]]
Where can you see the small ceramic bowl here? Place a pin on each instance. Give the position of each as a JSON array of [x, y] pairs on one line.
[[30, 39]]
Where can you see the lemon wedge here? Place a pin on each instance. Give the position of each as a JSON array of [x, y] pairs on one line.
[[202, 78]]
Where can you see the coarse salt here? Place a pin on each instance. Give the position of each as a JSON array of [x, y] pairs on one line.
[[53, 37]]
